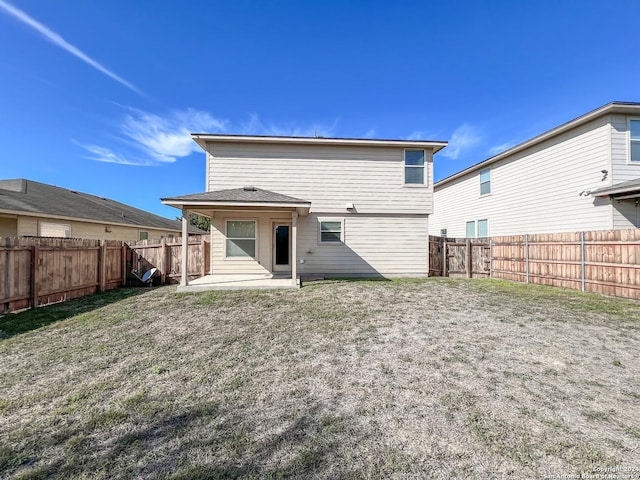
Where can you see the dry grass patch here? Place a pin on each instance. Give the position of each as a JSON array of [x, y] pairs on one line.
[[436, 378]]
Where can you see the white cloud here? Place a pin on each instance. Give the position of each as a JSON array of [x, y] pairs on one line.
[[165, 138], [500, 148], [155, 139], [57, 40], [148, 139], [102, 154], [463, 138], [416, 135], [255, 126], [371, 133]]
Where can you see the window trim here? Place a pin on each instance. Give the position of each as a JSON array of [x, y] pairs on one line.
[[425, 171], [330, 243], [488, 169], [486, 220], [466, 229], [255, 239], [630, 161], [66, 226]]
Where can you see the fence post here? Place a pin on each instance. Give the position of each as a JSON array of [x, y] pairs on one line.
[[124, 264], [34, 274], [490, 258], [102, 263], [445, 259], [526, 254], [163, 260], [582, 262], [469, 258], [203, 266]]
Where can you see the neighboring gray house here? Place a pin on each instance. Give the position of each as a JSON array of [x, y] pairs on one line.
[[582, 175], [29, 208], [316, 206]]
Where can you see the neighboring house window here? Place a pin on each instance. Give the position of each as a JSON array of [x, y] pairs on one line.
[[55, 230], [483, 228], [241, 238], [634, 127], [414, 167], [485, 181], [443, 232], [471, 229], [170, 236], [142, 235], [331, 231]]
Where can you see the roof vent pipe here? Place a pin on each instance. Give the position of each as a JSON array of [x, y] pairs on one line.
[[249, 188]]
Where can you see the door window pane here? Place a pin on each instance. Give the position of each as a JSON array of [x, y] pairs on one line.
[[282, 245]]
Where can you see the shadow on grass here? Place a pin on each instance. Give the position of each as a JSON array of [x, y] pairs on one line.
[[16, 323], [203, 442]]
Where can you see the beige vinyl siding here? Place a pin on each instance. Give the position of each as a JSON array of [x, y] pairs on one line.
[[29, 226], [622, 168], [534, 191], [373, 245], [328, 176], [262, 264], [8, 227], [626, 214]]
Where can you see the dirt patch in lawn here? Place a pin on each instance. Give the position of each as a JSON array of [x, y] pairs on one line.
[[404, 379]]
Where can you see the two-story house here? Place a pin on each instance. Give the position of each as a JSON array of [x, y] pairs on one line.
[[297, 206], [582, 175]]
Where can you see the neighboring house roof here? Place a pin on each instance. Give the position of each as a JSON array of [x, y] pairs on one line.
[[613, 107], [248, 196], [628, 189], [202, 139], [22, 196]]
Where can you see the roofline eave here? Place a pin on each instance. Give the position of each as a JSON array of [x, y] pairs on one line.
[[203, 138], [203, 203], [612, 107], [87, 220]]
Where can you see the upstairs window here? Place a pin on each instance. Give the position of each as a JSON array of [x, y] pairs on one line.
[[485, 181], [142, 235], [414, 167], [634, 128]]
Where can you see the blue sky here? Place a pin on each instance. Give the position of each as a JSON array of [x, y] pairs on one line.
[[100, 96]]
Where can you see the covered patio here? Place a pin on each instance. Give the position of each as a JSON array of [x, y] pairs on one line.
[[253, 238]]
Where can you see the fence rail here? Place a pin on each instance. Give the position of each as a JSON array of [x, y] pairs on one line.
[[605, 262], [36, 271]]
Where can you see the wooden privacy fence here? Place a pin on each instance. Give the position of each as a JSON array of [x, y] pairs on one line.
[[40, 271], [605, 262], [36, 271], [166, 256]]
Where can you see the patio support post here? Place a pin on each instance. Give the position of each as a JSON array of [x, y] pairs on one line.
[[294, 248], [184, 277]]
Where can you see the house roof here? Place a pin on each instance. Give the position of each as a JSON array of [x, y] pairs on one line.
[[202, 139], [609, 108], [22, 196], [622, 190], [245, 196]]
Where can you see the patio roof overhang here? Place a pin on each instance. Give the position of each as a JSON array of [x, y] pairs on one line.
[[622, 191], [246, 198]]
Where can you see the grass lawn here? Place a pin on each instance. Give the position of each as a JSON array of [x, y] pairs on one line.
[[437, 378]]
